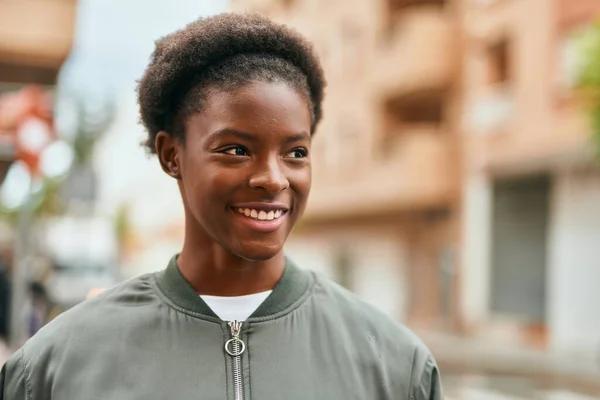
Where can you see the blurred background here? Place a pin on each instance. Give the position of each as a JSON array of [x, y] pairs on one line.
[[456, 172]]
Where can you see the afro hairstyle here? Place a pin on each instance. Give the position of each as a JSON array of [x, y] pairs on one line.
[[223, 52]]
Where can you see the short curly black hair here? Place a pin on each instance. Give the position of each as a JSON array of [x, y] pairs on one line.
[[223, 52]]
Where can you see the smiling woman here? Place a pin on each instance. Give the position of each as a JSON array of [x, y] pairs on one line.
[[230, 104], [251, 145]]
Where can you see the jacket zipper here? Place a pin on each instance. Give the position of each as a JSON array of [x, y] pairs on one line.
[[235, 347]]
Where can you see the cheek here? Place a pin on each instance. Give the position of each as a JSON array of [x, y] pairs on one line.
[[197, 182], [203, 191], [211, 189], [301, 181], [205, 201]]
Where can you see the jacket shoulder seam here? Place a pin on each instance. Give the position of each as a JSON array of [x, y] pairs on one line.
[[26, 376], [425, 378], [412, 389]]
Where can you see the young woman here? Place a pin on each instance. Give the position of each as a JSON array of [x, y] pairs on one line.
[[230, 104]]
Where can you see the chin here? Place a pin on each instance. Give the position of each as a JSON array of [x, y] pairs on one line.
[[258, 252]]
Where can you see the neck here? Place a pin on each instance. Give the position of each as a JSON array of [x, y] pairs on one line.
[[212, 270]]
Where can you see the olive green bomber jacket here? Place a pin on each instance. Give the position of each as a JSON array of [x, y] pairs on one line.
[[153, 337]]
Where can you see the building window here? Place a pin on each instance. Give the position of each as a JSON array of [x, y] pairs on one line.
[[498, 62], [425, 108], [573, 45], [288, 3], [401, 115], [569, 63], [396, 7]]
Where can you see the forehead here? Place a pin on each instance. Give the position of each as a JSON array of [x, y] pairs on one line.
[[261, 107]]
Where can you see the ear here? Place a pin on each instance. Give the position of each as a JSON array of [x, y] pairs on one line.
[[168, 151]]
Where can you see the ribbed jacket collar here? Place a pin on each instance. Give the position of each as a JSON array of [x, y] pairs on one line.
[[291, 288]]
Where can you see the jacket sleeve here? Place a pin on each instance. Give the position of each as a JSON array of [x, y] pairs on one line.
[[12, 379], [430, 385]]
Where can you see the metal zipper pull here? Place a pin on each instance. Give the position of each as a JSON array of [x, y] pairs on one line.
[[235, 347]]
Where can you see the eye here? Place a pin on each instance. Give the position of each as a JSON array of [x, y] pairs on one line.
[[298, 153], [236, 151]]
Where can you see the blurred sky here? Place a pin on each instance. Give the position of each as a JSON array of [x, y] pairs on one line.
[[114, 38]]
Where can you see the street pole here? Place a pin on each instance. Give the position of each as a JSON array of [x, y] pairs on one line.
[[20, 275]]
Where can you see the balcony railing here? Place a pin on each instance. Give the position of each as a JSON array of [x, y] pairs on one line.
[[418, 55], [417, 172]]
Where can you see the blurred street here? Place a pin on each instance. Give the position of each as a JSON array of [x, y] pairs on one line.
[[480, 370], [486, 387]]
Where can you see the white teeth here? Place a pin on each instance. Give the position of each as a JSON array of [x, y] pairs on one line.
[[260, 215]]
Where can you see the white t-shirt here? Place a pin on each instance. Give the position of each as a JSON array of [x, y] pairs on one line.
[[235, 308]]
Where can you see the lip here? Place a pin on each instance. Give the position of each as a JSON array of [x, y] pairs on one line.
[[261, 226]]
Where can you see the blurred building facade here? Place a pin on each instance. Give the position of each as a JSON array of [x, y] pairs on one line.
[[454, 183], [530, 183], [35, 39]]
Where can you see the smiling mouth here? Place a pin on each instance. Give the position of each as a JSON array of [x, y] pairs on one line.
[[261, 215]]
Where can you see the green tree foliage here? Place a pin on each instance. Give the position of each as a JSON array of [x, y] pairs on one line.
[[588, 79], [122, 223], [94, 116]]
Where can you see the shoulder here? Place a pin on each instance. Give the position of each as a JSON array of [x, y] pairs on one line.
[[351, 308], [405, 354], [75, 334], [97, 318]]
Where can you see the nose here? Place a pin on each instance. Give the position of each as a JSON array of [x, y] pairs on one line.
[[270, 177]]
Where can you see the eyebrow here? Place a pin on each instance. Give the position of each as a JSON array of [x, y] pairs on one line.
[[297, 137], [250, 136], [231, 132]]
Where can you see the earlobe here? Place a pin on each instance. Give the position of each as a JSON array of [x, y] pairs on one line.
[[168, 155], [173, 167]]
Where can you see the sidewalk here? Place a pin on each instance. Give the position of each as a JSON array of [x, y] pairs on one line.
[[476, 355]]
